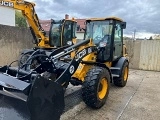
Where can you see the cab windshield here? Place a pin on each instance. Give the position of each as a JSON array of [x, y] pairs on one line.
[[99, 31], [67, 32], [55, 34]]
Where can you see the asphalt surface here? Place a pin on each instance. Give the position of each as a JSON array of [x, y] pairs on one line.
[[12, 108], [138, 100]]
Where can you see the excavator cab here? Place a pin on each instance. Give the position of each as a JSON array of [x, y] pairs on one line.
[[62, 32]]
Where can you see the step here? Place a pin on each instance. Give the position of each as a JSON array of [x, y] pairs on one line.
[[115, 68], [114, 75]]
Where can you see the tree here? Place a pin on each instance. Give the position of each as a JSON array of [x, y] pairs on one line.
[[20, 19], [151, 38]]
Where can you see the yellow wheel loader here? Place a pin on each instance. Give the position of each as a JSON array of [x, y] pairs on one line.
[[98, 60]]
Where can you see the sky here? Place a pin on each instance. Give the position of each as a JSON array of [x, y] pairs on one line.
[[142, 16]]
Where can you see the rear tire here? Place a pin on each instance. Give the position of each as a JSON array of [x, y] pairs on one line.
[[122, 80], [95, 88], [22, 60]]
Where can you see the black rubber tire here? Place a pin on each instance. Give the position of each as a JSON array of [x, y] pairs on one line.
[[91, 85], [23, 59], [120, 82]]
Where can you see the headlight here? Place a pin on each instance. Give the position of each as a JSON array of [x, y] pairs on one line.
[[69, 42]]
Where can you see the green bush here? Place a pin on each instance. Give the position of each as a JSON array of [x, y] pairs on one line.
[[20, 19]]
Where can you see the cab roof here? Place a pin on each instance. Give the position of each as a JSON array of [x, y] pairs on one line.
[[107, 18], [72, 20]]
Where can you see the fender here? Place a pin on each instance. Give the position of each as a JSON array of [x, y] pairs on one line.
[[119, 64], [100, 65], [104, 66]]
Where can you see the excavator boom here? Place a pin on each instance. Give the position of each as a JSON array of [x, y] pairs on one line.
[[28, 11], [39, 35]]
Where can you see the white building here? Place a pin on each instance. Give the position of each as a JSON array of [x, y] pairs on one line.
[[80, 34], [7, 16]]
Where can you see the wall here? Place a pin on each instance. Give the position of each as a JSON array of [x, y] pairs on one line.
[[133, 49], [144, 54], [12, 41], [7, 16], [150, 55], [80, 35]]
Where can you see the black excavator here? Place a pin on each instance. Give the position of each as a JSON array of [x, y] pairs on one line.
[[94, 63]]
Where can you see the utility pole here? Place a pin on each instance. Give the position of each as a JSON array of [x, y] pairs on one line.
[[134, 34]]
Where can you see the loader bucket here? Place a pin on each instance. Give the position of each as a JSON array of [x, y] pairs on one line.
[[46, 100]]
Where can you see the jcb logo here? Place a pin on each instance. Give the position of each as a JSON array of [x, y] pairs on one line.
[[7, 4], [81, 54]]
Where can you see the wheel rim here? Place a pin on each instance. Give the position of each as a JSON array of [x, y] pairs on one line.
[[125, 74], [102, 89]]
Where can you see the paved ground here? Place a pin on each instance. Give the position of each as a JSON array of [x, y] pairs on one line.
[[139, 100], [12, 108]]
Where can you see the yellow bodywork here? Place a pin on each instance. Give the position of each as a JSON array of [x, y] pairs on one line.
[[107, 18], [84, 68]]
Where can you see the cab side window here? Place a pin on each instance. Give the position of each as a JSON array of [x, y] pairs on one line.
[[117, 36], [117, 42]]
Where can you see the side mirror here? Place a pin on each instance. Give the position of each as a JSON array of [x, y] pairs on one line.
[[102, 44], [123, 25]]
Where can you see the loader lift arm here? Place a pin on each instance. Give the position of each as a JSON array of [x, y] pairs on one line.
[[43, 92], [28, 11]]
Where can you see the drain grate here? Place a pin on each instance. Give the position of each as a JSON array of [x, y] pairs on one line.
[[73, 99]]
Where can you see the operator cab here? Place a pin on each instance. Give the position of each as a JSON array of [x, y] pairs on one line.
[[107, 35], [62, 31]]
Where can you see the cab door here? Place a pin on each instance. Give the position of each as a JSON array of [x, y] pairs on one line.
[[118, 43]]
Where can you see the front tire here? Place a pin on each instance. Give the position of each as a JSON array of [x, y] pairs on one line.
[[95, 88]]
